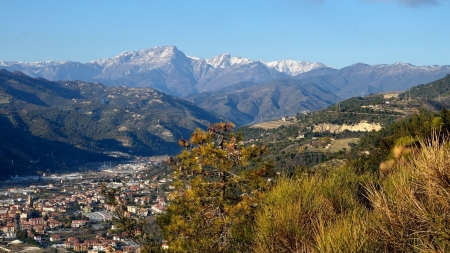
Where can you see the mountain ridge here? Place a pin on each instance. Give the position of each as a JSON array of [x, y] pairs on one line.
[[169, 70]]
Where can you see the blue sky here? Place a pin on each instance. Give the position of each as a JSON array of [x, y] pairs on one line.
[[335, 32]]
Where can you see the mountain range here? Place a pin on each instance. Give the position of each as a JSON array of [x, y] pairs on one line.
[[166, 69], [205, 82]]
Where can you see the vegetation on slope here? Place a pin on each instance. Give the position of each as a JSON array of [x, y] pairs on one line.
[[399, 207], [62, 124], [341, 210], [298, 144]]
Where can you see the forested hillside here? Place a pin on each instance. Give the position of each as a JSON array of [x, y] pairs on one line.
[[55, 125]]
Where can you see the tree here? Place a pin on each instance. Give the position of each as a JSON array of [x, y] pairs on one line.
[[136, 229], [218, 183]]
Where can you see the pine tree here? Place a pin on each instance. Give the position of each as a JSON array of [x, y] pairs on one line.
[[218, 183]]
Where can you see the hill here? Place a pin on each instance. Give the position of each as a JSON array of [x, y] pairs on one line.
[[309, 139], [249, 102], [60, 124]]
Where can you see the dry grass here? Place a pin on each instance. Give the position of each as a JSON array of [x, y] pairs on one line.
[[348, 233], [412, 208], [304, 214], [406, 210], [387, 167]]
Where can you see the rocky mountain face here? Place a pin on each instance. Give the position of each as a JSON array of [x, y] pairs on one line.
[[74, 122]]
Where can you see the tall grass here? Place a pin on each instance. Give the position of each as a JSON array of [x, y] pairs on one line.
[[284, 223], [347, 233], [412, 208], [302, 214], [407, 209]]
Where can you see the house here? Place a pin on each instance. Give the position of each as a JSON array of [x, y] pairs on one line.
[[70, 242], [36, 221], [55, 238], [143, 212], [9, 228], [37, 238], [54, 223], [130, 249], [3, 210], [80, 247], [87, 209], [158, 208], [79, 223], [132, 209]]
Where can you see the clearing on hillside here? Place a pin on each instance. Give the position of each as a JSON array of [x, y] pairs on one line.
[[333, 146], [271, 124]]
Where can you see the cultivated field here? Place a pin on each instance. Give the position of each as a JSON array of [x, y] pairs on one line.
[[391, 94], [334, 145], [340, 144], [271, 124]]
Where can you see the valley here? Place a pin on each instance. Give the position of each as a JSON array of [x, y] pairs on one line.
[[120, 143]]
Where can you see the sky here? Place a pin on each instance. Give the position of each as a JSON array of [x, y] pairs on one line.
[[337, 33]]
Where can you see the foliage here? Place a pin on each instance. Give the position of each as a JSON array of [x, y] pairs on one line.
[[435, 93], [135, 228], [219, 183], [23, 236], [380, 145]]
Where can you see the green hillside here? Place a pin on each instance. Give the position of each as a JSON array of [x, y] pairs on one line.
[[303, 141], [63, 124]]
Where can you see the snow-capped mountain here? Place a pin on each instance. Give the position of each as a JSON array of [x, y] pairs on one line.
[[169, 70], [166, 69], [227, 60], [38, 64], [293, 68]]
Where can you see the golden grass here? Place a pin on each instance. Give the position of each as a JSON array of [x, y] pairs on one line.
[[412, 208], [338, 210]]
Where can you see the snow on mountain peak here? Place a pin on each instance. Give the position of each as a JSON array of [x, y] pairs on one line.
[[294, 68], [38, 64], [227, 60], [149, 58]]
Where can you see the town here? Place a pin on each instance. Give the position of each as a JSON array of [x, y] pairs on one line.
[[69, 212]]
